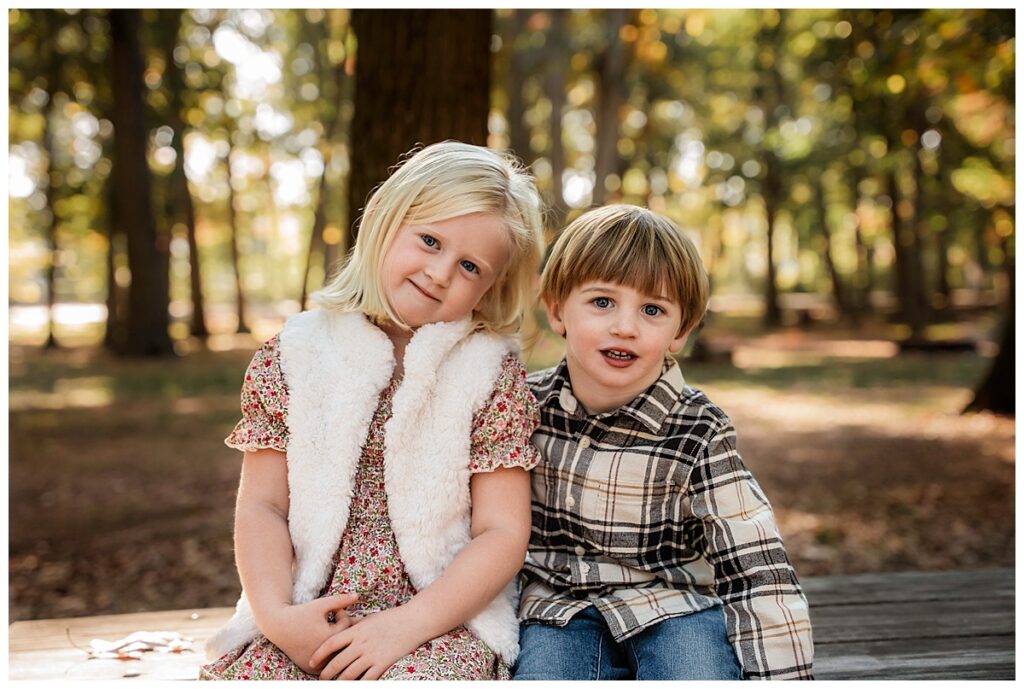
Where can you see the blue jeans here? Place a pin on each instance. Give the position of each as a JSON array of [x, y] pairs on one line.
[[693, 646]]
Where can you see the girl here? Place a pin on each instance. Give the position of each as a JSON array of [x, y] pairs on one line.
[[384, 506]]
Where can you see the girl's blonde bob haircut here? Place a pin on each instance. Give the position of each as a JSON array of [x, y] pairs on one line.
[[631, 246], [440, 182]]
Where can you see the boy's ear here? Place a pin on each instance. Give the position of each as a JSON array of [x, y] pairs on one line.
[[554, 311], [677, 344]]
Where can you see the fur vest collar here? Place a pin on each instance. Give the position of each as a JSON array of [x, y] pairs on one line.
[[336, 365]]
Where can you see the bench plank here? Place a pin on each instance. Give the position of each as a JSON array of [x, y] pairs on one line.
[[41, 649], [914, 625]]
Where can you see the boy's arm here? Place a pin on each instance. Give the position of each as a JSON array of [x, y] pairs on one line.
[[765, 608]]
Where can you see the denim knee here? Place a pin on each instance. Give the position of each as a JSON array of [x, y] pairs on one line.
[[583, 649], [694, 646]]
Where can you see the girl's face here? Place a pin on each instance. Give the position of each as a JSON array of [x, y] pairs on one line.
[[440, 271]]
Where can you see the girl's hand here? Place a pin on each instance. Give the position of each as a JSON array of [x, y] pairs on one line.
[[369, 646], [298, 630]]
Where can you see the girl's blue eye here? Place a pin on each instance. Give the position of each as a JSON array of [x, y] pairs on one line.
[[651, 310], [469, 266], [428, 240], [602, 302]]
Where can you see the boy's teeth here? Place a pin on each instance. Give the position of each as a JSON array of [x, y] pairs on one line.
[[619, 355]]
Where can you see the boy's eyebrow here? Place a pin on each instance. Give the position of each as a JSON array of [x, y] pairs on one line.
[[609, 288]]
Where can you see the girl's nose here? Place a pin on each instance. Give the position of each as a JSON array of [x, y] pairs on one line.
[[439, 271]]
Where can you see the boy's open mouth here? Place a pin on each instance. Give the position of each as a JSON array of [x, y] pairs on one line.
[[618, 357]]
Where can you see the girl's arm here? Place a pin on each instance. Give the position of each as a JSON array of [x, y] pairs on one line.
[[500, 529], [263, 555]]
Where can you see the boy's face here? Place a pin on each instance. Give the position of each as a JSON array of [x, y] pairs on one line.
[[616, 339]]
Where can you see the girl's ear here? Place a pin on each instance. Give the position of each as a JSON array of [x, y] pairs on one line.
[[554, 311]]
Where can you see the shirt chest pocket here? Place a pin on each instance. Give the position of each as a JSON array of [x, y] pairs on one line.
[[627, 497]]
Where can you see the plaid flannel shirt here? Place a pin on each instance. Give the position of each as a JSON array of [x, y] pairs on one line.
[[647, 512]]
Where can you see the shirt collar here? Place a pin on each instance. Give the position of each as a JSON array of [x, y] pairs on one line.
[[650, 407]]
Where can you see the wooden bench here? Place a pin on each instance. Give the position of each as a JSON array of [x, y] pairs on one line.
[[915, 625]]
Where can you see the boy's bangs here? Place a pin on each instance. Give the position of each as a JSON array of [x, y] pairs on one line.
[[634, 259]]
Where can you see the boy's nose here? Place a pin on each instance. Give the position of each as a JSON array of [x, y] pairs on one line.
[[624, 326]]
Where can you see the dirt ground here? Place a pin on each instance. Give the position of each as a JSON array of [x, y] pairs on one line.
[[121, 491]]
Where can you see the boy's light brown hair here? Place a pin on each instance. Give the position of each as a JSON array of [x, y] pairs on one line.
[[630, 246]]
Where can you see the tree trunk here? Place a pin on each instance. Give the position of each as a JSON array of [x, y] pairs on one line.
[[52, 86], [903, 246], [233, 223], [180, 193], [554, 87], [316, 237], [770, 194], [148, 319], [996, 391], [422, 76], [518, 135], [838, 293], [612, 94], [769, 92]]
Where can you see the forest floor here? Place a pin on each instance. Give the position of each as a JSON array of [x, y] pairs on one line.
[[121, 491]]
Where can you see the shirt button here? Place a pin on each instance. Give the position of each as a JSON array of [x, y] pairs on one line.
[[584, 442], [580, 550], [570, 501]]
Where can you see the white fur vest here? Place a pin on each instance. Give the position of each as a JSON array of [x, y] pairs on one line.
[[336, 365]]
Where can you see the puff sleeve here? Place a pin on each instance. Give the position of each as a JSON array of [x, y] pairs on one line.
[[264, 404], [502, 428]]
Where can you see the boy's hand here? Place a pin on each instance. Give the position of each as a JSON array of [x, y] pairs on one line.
[[369, 646], [298, 630]]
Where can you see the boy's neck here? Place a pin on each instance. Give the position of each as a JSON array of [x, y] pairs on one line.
[[599, 399]]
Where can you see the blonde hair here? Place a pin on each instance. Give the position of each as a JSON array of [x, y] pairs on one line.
[[630, 246], [443, 181]]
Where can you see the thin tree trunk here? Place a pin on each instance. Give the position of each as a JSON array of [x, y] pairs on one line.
[[996, 391], [554, 86], [422, 76], [148, 318], [53, 78], [518, 135], [179, 181], [235, 251], [838, 292], [612, 94], [769, 92], [316, 237]]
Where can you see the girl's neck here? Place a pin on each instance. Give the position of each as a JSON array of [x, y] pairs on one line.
[[399, 340]]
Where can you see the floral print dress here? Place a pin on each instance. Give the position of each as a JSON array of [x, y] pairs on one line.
[[368, 562]]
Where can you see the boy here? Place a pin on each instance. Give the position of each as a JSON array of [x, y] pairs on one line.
[[653, 554]]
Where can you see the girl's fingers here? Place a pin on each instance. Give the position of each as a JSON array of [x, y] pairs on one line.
[[338, 664], [356, 669], [373, 673], [330, 645]]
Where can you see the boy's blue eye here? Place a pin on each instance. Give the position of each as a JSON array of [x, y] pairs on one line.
[[602, 302], [469, 266], [651, 309], [428, 240]]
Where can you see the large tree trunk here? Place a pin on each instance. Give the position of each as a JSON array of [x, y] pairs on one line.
[[554, 87], [422, 76], [612, 94], [996, 391], [180, 193], [148, 256]]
